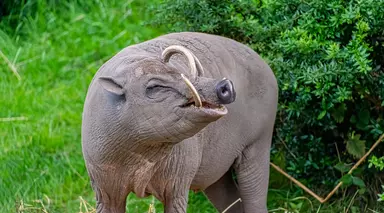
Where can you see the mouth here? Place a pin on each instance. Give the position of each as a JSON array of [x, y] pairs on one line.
[[201, 106], [206, 107]]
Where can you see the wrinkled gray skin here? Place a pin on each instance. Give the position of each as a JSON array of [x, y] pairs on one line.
[[137, 138]]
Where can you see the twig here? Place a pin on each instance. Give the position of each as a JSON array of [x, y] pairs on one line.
[[356, 165], [297, 182], [366, 154], [13, 119], [10, 65], [225, 210], [320, 199]]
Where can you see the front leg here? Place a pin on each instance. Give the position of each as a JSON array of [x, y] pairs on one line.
[[252, 170], [111, 193], [223, 193], [176, 204]]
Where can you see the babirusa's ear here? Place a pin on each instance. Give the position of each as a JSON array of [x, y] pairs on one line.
[[111, 85]]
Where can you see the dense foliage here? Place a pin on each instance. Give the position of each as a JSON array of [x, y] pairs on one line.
[[328, 59]]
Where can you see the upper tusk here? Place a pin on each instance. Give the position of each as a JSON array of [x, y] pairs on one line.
[[195, 94], [200, 69], [169, 51]]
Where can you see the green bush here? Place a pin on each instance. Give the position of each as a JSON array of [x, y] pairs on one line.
[[328, 57]]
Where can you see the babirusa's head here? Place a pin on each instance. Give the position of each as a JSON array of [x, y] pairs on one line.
[[155, 100]]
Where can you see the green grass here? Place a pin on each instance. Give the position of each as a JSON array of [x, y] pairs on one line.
[[56, 52]]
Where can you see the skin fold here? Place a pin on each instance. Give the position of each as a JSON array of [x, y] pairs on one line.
[[140, 133]]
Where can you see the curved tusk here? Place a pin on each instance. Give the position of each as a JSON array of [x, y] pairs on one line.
[[200, 70], [195, 94], [169, 51]]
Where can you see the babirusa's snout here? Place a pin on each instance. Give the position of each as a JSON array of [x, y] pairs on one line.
[[225, 91], [195, 94]]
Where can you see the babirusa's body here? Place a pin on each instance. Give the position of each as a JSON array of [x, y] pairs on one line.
[[179, 112]]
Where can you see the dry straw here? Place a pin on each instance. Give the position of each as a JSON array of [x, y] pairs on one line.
[[10, 65]]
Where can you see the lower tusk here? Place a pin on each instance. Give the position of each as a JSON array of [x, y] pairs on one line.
[[195, 95]]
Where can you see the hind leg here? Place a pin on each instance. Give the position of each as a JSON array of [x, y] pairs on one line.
[[252, 171], [223, 193]]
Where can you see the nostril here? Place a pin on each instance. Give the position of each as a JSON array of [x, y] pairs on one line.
[[225, 91]]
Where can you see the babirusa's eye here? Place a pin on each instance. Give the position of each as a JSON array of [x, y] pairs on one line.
[[156, 91]]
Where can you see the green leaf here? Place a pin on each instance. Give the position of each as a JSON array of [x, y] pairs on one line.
[[293, 206], [338, 113], [358, 182], [342, 167], [299, 205], [347, 179], [354, 209], [355, 146], [362, 191], [321, 115], [363, 120]]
